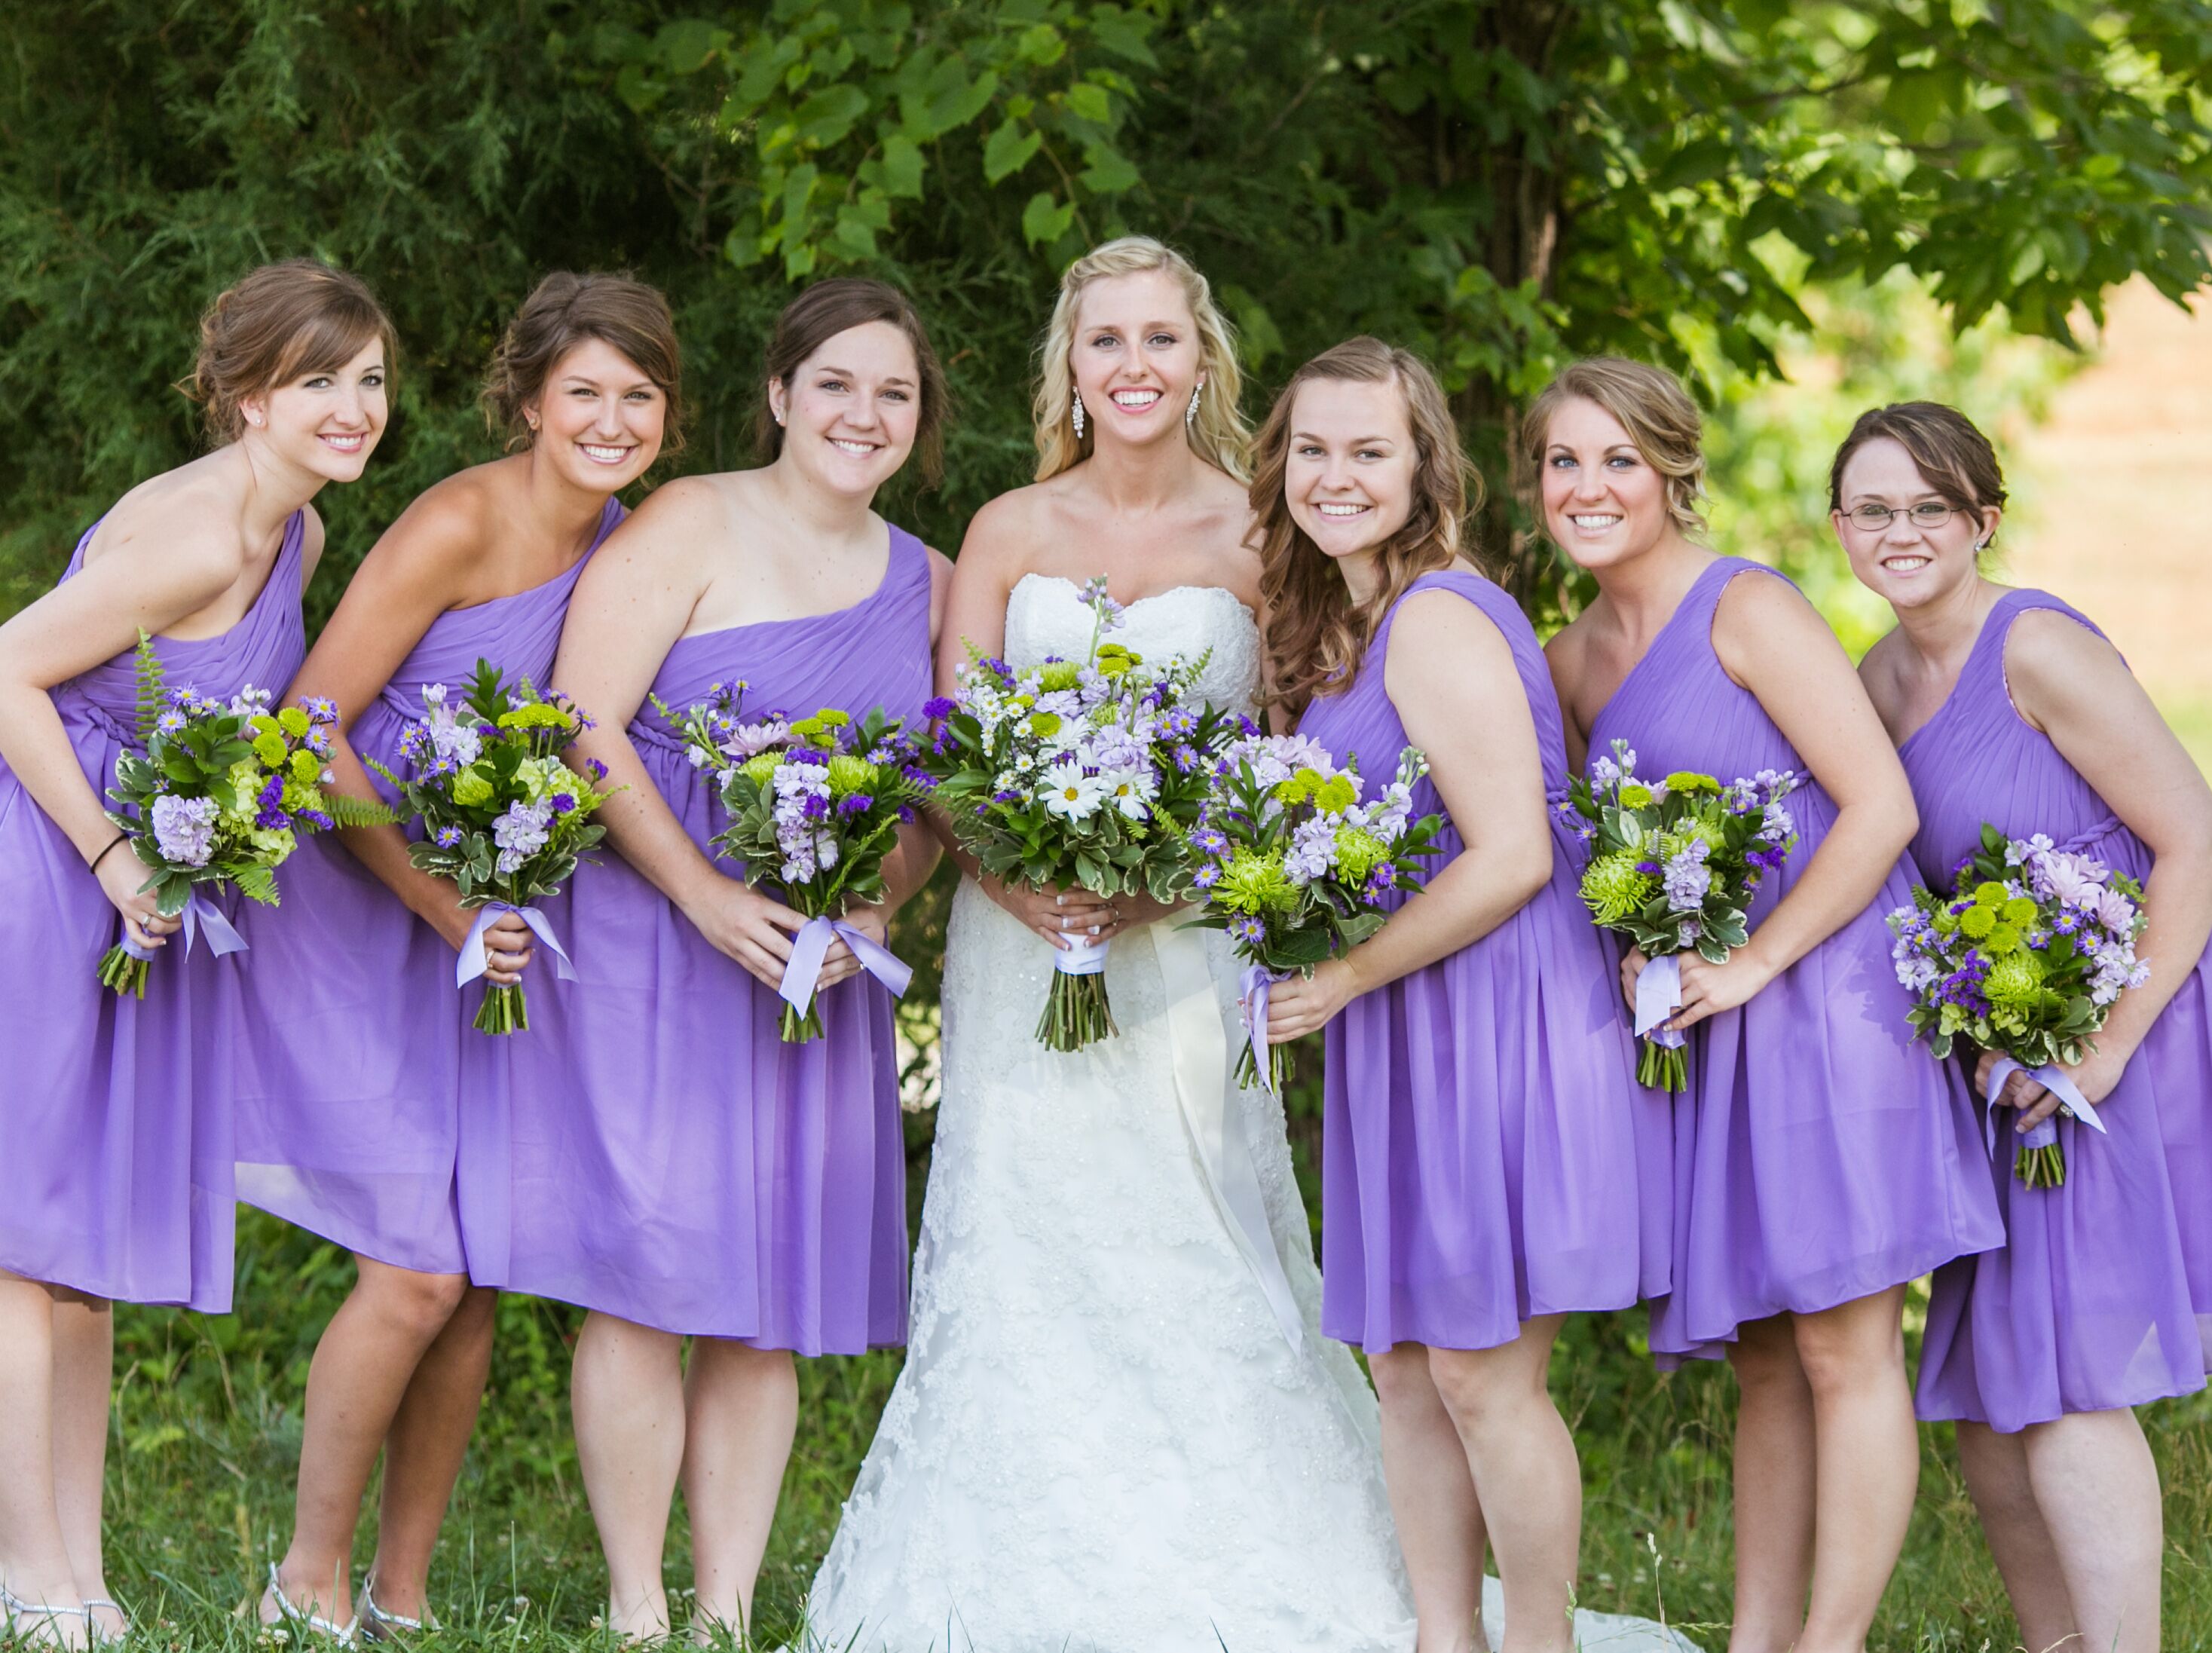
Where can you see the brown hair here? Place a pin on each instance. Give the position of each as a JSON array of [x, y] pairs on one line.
[[563, 311], [829, 308], [1652, 407], [1315, 633], [275, 323], [1950, 450]]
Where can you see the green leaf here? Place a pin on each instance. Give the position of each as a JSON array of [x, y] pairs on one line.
[[1090, 101], [1042, 45], [827, 116], [1046, 219], [1123, 34], [903, 165], [1109, 174], [686, 45], [1009, 150]]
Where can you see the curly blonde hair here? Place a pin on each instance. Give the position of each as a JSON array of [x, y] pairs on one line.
[[1654, 410], [1218, 434], [1316, 634]]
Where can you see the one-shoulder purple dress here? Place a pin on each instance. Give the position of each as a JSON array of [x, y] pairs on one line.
[[2087, 1306], [674, 1162], [115, 1117], [1819, 1156], [1487, 1155], [350, 1036]]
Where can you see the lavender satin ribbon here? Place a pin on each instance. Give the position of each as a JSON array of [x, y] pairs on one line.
[[472, 962], [1252, 1005], [2052, 1078], [223, 939], [812, 945], [1659, 995]]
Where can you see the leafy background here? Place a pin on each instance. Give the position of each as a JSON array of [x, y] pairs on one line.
[[1804, 207]]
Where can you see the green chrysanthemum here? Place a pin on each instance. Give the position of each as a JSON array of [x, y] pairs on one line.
[[2003, 941], [2015, 981], [1044, 724], [1356, 851], [293, 721], [307, 768], [270, 748], [1336, 795], [1685, 781], [759, 767], [1056, 675], [2019, 911], [1635, 795], [1989, 894], [471, 787], [1612, 888], [1976, 921], [849, 775], [1253, 882]]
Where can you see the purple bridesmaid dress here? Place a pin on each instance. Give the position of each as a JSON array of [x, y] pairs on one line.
[[674, 1162], [350, 1033], [1818, 1156], [115, 1119], [2087, 1306], [1487, 1155]]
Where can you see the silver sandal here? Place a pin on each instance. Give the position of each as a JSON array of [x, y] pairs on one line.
[[378, 1625], [100, 1637], [14, 1607], [290, 1612]]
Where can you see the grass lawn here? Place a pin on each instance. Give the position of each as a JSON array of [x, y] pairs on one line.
[[207, 1433]]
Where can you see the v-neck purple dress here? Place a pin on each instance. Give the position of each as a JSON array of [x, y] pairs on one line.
[[115, 1118], [1487, 1156], [2088, 1306], [351, 1033], [674, 1162], [1819, 1156]]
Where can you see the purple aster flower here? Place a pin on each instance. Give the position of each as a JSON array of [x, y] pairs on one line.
[[1248, 929], [449, 837], [1206, 875], [944, 706], [564, 803], [858, 803]]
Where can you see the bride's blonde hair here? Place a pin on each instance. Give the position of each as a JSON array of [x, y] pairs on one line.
[[1218, 434]]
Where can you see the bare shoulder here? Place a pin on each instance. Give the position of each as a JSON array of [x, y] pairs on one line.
[[1002, 536], [1568, 646], [673, 519], [2050, 654], [187, 518], [1756, 598], [1880, 667], [1444, 619]]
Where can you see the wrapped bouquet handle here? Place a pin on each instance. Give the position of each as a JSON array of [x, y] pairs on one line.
[[812, 945], [1262, 1060], [198, 913], [2041, 1163], [472, 962], [1658, 996]]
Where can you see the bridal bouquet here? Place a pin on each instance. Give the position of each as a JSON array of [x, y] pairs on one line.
[[2025, 957], [504, 817], [1296, 866], [1674, 865], [814, 808], [1073, 773], [219, 796]]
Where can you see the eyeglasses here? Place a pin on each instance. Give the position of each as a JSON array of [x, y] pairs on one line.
[[1928, 513]]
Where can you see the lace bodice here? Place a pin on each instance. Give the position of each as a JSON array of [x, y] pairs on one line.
[[1045, 615]]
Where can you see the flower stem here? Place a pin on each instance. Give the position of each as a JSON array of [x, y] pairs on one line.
[[504, 1011], [798, 1028], [126, 974], [1075, 1013], [1663, 1069]]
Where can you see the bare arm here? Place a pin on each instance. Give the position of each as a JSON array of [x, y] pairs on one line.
[[1771, 642], [2073, 685], [1451, 674]]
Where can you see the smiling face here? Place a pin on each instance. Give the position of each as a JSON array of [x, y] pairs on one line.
[[850, 410], [1604, 503], [325, 424], [1351, 470], [599, 420], [1136, 357], [1905, 562]]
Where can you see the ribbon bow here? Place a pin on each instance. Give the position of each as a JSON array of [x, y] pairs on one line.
[[199, 911], [812, 945], [2052, 1078], [1659, 995], [472, 962]]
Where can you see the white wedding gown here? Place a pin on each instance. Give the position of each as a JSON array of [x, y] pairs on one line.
[[1119, 1429]]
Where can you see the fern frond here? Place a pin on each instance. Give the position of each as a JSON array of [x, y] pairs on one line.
[[350, 813], [153, 687], [257, 883]]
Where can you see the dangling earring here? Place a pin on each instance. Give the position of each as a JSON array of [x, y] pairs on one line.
[[1190, 413], [1075, 412]]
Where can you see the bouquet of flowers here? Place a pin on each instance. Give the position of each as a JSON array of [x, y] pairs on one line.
[[1674, 865], [1297, 868], [503, 817], [814, 808], [2025, 957], [219, 796], [1082, 773]]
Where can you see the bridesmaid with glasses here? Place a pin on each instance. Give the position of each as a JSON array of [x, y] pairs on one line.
[[115, 1125], [2009, 708]]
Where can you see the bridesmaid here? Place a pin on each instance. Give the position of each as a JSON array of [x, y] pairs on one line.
[[1820, 1161], [1483, 1128], [679, 1171], [2011, 708], [116, 1163], [351, 1097]]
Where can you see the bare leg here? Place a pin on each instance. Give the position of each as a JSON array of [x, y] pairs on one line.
[[2096, 1484], [362, 1369], [741, 1410], [1433, 1502], [627, 1392], [84, 1381], [1996, 1468], [1774, 1488], [1525, 1475], [423, 1454], [1867, 1465], [34, 1558]]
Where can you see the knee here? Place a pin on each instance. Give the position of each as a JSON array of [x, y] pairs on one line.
[[1401, 1378], [422, 1304], [1478, 1390], [1838, 1358]]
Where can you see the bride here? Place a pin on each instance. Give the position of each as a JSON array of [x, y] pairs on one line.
[[1119, 1426]]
